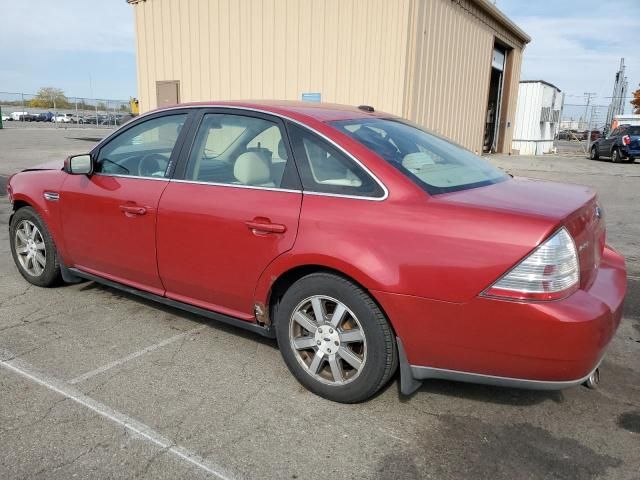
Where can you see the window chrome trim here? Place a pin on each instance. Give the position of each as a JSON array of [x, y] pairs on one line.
[[234, 185], [284, 117], [162, 179]]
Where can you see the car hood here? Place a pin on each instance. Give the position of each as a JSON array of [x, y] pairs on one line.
[[528, 197], [50, 165]]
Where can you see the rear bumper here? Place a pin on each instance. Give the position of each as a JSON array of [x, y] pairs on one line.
[[631, 152], [544, 345]]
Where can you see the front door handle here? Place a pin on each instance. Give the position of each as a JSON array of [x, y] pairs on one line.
[[133, 210], [265, 227]]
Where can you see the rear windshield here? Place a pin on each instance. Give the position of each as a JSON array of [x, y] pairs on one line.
[[433, 163], [633, 131]]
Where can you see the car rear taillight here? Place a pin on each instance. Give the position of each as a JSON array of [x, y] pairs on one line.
[[550, 272], [626, 140]]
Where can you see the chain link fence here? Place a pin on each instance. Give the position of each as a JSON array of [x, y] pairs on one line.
[[20, 110], [580, 126]]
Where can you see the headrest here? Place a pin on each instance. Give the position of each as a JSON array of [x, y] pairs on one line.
[[251, 168], [414, 162], [282, 152]]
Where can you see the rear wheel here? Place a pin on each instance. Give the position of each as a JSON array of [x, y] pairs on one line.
[[594, 153], [334, 338], [615, 156], [33, 250]]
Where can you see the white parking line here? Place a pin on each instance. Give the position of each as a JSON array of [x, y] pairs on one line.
[[131, 356], [119, 418]]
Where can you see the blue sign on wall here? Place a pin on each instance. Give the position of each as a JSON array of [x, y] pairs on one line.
[[311, 97]]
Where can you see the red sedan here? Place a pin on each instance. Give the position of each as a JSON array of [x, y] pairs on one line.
[[358, 240]]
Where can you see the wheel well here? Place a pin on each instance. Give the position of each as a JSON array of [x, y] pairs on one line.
[[288, 278], [18, 204]]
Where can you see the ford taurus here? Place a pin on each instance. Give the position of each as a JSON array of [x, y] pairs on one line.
[[360, 241]]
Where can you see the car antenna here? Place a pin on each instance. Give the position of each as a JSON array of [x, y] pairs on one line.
[[366, 108]]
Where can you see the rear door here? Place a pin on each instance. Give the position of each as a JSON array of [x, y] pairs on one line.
[[604, 145], [232, 208]]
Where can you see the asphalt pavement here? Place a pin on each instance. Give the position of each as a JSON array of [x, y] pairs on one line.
[[95, 383]]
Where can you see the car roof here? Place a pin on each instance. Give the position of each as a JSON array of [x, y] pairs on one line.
[[323, 112]]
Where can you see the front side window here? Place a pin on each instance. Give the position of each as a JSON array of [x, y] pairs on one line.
[[143, 150], [433, 163], [238, 150], [325, 169]]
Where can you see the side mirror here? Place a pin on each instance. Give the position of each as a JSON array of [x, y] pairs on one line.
[[80, 165]]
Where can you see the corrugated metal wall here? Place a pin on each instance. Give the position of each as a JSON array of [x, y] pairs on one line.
[[450, 49], [240, 49], [427, 60]]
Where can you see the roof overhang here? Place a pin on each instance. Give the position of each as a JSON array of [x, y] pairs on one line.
[[500, 17]]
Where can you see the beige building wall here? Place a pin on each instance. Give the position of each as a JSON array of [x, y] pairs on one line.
[[426, 60]]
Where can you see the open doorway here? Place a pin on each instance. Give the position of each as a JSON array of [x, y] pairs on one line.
[[494, 105]]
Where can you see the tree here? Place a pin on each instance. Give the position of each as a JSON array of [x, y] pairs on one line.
[[636, 101], [46, 96]]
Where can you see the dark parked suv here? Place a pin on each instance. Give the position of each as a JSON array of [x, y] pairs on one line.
[[621, 143]]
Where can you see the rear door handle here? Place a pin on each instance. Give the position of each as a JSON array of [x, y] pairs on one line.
[[265, 227], [133, 209]]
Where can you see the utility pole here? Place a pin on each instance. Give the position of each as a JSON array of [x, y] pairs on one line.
[[589, 96]]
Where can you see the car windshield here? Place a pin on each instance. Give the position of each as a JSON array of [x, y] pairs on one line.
[[433, 163]]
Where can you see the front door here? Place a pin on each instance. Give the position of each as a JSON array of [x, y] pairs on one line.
[[109, 218], [234, 210]]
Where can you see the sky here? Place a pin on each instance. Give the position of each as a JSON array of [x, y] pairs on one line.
[[577, 44], [87, 47]]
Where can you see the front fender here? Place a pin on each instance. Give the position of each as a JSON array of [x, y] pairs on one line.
[[29, 187]]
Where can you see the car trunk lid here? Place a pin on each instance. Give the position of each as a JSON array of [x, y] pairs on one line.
[[573, 206]]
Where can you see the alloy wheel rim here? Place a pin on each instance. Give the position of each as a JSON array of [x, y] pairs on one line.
[[30, 248], [328, 340]]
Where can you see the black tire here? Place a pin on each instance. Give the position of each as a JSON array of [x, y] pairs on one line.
[[50, 275], [631, 160], [594, 153], [615, 155], [381, 358]]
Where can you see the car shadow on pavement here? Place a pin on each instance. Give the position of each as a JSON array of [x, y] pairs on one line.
[[180, 313], [484, 393]]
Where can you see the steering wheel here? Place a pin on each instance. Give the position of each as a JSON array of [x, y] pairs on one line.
[[152, 165]]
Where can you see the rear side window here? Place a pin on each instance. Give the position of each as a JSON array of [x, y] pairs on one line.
[[232, 149], [325, 169], [633, 131], [432, 162]]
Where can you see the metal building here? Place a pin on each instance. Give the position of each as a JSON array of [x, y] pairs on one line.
[[537, 117], [450, 65]]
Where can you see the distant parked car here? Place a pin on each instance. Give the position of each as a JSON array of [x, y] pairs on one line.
[[568, 135], [76, 118], [62, 118], [622, 143], [29, 117], [6, 118], [44, 117], [16, 116], [595, 134]]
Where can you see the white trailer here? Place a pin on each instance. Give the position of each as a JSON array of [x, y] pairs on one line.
[[537, 119]]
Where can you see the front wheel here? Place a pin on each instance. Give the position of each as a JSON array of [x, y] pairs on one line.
[[594, 153], [335, 339], [33, 250]]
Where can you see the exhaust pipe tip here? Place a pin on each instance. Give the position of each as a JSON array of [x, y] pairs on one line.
[[593, 380]]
